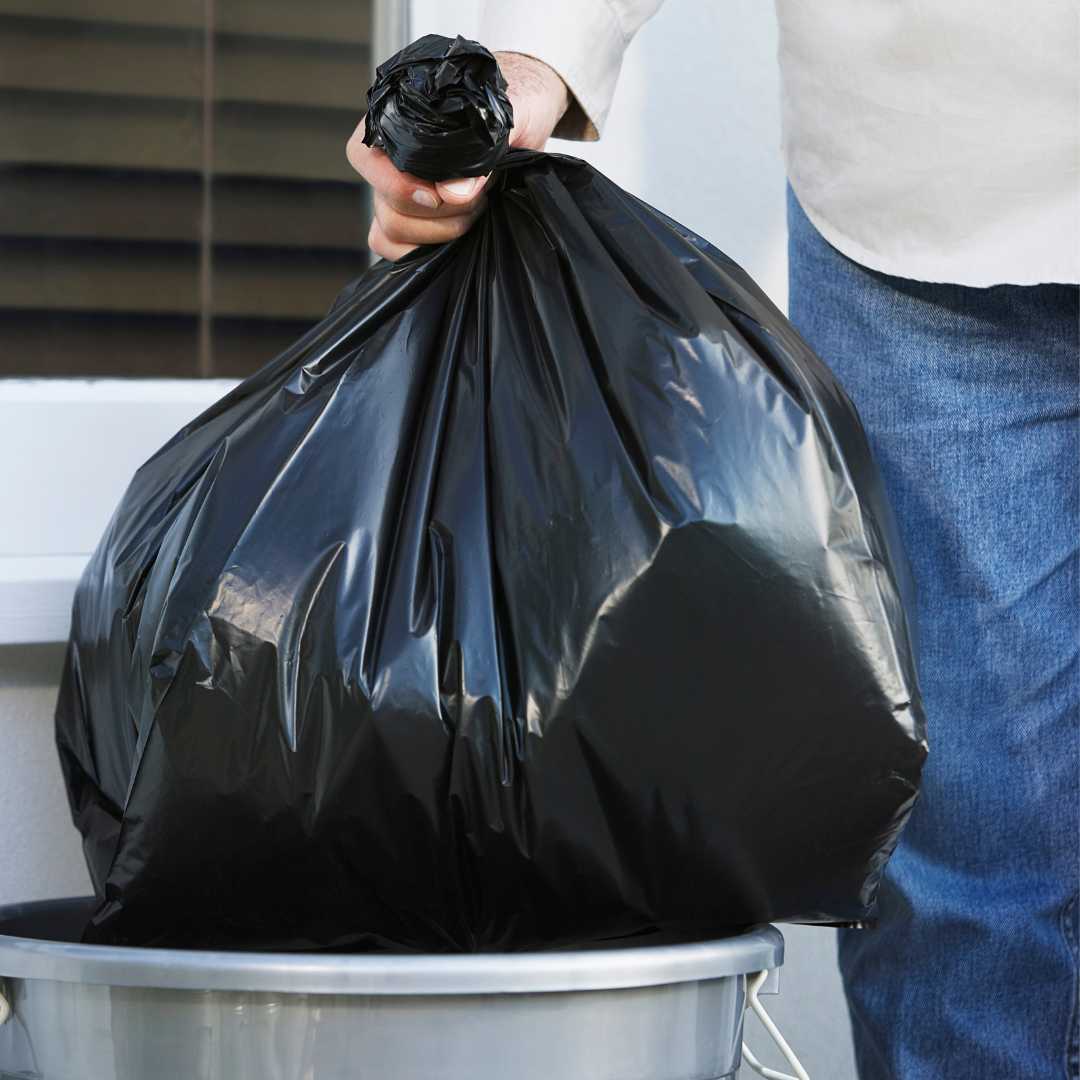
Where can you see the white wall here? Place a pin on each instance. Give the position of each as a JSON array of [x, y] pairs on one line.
[[68, 448], [40, 850], [694, 128]]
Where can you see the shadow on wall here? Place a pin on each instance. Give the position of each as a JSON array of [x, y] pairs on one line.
[[694, 130], [40, 849]]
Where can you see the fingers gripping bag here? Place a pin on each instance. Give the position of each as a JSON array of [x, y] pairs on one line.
[[545, 592]]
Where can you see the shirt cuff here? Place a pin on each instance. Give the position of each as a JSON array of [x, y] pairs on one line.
[[581, 40]]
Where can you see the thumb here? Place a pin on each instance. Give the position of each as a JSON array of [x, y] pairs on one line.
[[460, 192]]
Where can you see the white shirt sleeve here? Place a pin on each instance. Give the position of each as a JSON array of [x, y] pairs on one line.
[[582, 40]]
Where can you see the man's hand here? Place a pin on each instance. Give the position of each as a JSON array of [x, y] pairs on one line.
[[410, 211]]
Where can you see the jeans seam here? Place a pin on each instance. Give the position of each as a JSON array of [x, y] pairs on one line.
[[1072, 1048]]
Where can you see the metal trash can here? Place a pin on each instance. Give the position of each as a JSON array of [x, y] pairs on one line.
[[89, 1012]]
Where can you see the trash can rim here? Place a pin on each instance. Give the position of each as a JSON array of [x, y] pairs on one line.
[[758, 948]]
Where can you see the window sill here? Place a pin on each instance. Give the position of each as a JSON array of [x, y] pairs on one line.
[[35, 597], [68, 448]]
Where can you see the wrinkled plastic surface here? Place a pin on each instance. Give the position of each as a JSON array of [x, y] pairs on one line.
[[545, 592], [439, 109]]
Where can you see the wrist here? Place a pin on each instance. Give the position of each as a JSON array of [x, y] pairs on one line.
[[538, 95]]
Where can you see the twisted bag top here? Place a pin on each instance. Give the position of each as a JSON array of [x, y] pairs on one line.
[[545, 592], [439, 109]]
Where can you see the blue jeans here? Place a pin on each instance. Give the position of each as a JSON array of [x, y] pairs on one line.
[[969, 397]]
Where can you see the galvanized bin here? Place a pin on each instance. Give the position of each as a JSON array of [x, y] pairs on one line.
[[87, 1012]]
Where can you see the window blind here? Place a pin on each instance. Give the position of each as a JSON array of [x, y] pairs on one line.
[[174, 194]]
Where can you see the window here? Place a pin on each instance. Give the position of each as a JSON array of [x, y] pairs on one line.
[[174, 195]]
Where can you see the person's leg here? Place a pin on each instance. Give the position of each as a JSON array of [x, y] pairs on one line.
[[969, 398]]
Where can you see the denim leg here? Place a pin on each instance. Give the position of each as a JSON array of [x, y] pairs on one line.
[[970, 400]]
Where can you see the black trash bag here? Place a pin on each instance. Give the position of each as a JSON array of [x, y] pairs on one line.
[[439, 109], [545, 592]]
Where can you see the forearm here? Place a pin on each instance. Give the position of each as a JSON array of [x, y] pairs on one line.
[[582, 40], [538, 95]]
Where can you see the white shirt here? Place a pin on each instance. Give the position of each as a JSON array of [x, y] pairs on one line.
[[929, 139]]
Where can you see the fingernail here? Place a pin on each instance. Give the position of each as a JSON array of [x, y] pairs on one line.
[[425, 198], [462, 188]]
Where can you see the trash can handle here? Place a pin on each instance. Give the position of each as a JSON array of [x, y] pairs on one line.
[[753, 985]]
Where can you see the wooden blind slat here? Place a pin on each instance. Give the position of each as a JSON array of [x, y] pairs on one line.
[[83, 129], [341, 21], [83, 344], [87, 204], [302, 215], [118, 231], [294, 73], [308, 144], [141, 278], [98, 278], [274, 286], [177, 13], [36, 55], [96, 344], [90, 205], [154, 133]]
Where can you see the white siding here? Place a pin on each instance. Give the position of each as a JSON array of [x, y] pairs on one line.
[[69, 448]]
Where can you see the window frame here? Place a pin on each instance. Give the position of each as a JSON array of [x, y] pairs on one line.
[[69, 447]]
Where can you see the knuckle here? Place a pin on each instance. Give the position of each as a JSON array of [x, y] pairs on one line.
[[398, 228], [377, 242], [362, 158], [400, 190], [397, 188], [405, 205], [456, 226]]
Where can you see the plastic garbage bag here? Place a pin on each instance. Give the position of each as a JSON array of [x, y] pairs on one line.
[[545, 592], [439, 109]]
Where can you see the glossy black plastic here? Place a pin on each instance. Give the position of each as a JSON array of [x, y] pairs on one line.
[[545, 592], [439, 109]]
